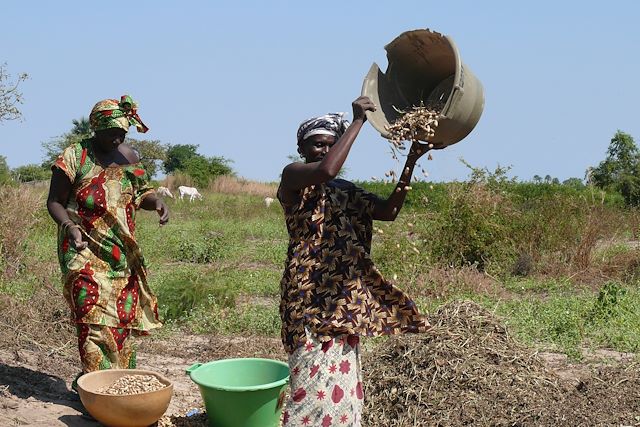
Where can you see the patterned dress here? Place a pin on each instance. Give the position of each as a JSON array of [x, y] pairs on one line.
[[331, 293], [105, 284]]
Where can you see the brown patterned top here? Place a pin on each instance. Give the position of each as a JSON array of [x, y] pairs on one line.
[[330, 284]]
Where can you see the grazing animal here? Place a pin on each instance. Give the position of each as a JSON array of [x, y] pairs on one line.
[[192, 192], [268, 201], [164, 192]]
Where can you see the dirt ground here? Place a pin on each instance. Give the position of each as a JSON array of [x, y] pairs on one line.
[[35, 386]]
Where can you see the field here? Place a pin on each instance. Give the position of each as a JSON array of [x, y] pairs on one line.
[[556, 266]]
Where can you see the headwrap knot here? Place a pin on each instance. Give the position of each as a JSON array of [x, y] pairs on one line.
[[333, 124], [111, 113]]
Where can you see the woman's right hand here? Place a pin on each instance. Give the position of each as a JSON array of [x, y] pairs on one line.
[[75, 238], [361, 106]]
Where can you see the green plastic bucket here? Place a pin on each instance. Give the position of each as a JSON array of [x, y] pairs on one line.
[[242, 392]]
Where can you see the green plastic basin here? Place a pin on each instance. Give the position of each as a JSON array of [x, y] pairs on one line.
[[242, 392]]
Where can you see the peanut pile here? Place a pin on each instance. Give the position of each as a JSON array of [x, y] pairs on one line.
[[418, 124], [133, 384]]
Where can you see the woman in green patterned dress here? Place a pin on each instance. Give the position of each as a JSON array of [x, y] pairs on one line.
[[96, 187]]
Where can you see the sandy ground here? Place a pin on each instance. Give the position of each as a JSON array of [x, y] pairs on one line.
[[35, 386]]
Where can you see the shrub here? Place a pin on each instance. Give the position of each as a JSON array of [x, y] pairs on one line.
[[204, 248]]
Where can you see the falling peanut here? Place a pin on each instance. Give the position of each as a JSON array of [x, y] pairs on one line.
[[417, 124]]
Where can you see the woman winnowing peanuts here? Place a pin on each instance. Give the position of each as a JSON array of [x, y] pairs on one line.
[[331, 291]]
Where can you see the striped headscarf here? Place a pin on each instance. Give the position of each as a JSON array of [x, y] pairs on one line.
[[111, 113], [333, 124]]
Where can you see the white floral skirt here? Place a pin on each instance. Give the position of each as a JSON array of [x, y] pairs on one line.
[[326, 384]]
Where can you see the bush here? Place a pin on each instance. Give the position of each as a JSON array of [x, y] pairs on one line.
[[475, 227], [203, 169], [201, 249], [30, 173], [185, 290], [5, 172]]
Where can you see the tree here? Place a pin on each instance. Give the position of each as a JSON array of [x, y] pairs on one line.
[[620, 170], [81, 130], [150, 152], [56, 146], [5, 172], [203, 169], [177, 155], [537, 179], [10, 95], [573, 182], [82, 127], [219, 166], [31, 172]]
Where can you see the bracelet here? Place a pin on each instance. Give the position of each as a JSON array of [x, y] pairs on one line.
[[67, 224]]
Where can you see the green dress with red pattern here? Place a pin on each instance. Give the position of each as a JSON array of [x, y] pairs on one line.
[[105, 284]]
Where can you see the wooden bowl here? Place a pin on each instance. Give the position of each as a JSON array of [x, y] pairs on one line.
[[132, 410]]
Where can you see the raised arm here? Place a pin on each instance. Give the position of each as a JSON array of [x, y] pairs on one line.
[[387, 210], [328, 155]]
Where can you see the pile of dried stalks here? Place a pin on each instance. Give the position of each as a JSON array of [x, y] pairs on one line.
[[466, 371]]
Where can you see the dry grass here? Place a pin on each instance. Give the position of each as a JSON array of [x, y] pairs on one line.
[[19, 207], [40, 323], [598, 224], [232, 185], [571, 245], [224, 184], [175, 180], [441, 282]]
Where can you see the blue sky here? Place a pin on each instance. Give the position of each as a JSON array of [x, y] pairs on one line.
[[238, 77]]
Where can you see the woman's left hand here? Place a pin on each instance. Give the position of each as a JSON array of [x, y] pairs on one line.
[[163, 211]]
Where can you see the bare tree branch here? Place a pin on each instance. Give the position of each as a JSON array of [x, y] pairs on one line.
[[10, 95]]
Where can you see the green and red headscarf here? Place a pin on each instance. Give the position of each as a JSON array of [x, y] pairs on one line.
[[111, 113]]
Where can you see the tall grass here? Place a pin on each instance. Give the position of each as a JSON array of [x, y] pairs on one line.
[[539, 255], [227, 184], [20, 210]]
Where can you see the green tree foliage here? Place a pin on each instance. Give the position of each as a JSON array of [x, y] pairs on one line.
[[55, 146], [177, 155], [620, 170], [203, 169], [81, 126], [31, 172], [5, 172], [10, 95], [185, 158], [151, 153], [573, 182]]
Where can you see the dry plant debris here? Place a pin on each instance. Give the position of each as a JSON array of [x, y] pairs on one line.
[[133, 384], [467, 370], [198, 419]]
